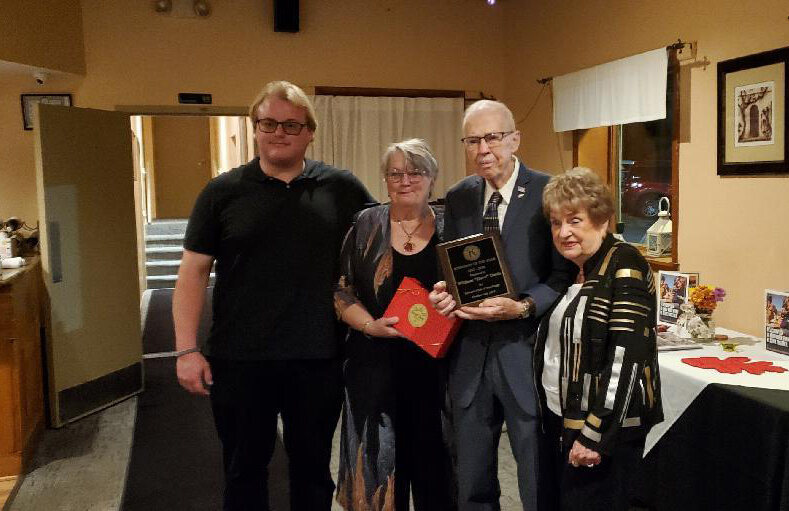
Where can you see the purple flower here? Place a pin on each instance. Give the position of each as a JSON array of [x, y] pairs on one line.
[[719, 294]]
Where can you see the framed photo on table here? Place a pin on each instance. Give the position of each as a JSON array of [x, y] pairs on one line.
[[752, 135], [28, 100]]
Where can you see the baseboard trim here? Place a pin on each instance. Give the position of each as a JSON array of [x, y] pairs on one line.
[[83, 399]]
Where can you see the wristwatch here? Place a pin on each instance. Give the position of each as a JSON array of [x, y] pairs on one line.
[[527, 305]]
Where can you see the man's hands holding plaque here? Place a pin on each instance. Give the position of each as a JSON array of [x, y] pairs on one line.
[[491, 309]]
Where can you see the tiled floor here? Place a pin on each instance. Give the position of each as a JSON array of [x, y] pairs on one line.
[[6, 485]]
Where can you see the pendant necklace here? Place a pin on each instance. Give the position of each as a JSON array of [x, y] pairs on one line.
[[408, 246]]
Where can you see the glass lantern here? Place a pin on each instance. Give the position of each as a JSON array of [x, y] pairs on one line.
[[659, 234]]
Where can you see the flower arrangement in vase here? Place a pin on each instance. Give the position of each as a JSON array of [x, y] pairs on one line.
[[704, 299]]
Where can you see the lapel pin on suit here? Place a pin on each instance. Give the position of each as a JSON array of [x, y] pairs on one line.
[[521, 191]]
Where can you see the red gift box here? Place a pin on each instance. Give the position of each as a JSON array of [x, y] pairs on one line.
[[419, 321]]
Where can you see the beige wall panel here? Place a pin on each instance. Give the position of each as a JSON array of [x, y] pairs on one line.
[[728, 227], [86, 186], [593, 151], [43, 33], [182, 162]]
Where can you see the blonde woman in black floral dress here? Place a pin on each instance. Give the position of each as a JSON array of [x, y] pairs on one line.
[[392, 445]]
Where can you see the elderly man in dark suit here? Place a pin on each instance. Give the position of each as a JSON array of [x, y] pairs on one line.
[[491, 379]]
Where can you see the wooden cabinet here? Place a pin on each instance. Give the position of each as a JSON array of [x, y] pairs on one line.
[[21, 377]]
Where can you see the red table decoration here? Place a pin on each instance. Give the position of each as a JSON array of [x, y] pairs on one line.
[[419, 321], [734, 365]]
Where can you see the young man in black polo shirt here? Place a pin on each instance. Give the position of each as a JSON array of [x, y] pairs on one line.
[[274, 227]]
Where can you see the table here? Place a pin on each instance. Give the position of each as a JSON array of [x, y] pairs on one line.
[[728, 447]]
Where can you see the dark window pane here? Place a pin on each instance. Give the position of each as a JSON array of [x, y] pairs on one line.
[[645, 172]]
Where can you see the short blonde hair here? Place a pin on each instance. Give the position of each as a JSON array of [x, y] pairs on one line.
[[416, 152], [578, 189], [289, 92], [488, 104]]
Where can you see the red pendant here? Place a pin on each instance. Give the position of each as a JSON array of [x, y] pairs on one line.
[[408, 246]]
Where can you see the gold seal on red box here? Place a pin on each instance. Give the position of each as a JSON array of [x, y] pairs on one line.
[[417, 315], [419, 321]]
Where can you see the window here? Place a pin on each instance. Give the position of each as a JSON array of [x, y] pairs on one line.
[[642, 161]]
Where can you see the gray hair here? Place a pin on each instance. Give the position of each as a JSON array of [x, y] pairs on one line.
[[488, 104], [578, 189], [416, 152]]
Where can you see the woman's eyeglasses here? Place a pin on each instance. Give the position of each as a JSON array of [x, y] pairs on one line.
[[396, 175]]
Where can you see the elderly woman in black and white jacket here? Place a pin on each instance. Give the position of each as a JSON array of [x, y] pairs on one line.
[[595, 356]]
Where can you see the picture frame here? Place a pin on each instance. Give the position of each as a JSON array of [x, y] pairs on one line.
[[28, 100], [752, 95]]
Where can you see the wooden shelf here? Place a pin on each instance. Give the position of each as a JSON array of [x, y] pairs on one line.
[[21, 378], [658, 263]]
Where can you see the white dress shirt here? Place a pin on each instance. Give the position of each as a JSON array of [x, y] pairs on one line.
[[505, 191]]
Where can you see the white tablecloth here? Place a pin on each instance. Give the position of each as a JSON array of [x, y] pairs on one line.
[[681, 383]]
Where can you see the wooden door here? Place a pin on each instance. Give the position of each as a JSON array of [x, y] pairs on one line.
[[182, 162], [85, 182]]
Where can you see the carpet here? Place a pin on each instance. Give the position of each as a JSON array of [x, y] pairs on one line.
[[176, 456], [158, 333], [176, 460], [81, 466]]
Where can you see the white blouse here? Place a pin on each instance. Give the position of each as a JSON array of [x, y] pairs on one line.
[[552, 353]]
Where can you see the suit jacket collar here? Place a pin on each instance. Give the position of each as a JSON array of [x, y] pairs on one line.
[[520, 195], [478, 189]]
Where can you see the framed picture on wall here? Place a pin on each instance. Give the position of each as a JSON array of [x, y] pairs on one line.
[[752, 93], [28, 100]]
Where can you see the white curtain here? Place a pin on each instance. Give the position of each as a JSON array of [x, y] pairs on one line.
[[354, 131], [627, 90]]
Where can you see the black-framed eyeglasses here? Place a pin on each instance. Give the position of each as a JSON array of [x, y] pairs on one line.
[[414, 176], [267, 125], [492, 139]]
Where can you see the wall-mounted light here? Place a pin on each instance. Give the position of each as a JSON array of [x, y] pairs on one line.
[[163, 6], [201, 8], [183, 8]]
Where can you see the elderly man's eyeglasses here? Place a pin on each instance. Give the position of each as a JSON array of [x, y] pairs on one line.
[[492, 139], [414, 176], [270, 126]]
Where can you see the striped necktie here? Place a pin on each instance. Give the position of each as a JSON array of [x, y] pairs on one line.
[[490, 222]]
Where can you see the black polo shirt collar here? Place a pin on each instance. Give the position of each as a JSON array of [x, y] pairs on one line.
[[253, 171]]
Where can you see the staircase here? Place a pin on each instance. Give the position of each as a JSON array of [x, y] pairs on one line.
[[164, 241]]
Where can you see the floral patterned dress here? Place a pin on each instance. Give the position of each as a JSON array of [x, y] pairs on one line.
[[394, 443]]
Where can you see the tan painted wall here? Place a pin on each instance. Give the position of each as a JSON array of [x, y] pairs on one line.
[[42, 33], [17, 164], [135, 56], [731, 227], [17, 176], [182, 163]]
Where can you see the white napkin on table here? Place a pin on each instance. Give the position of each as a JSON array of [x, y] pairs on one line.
[[13, 262]]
